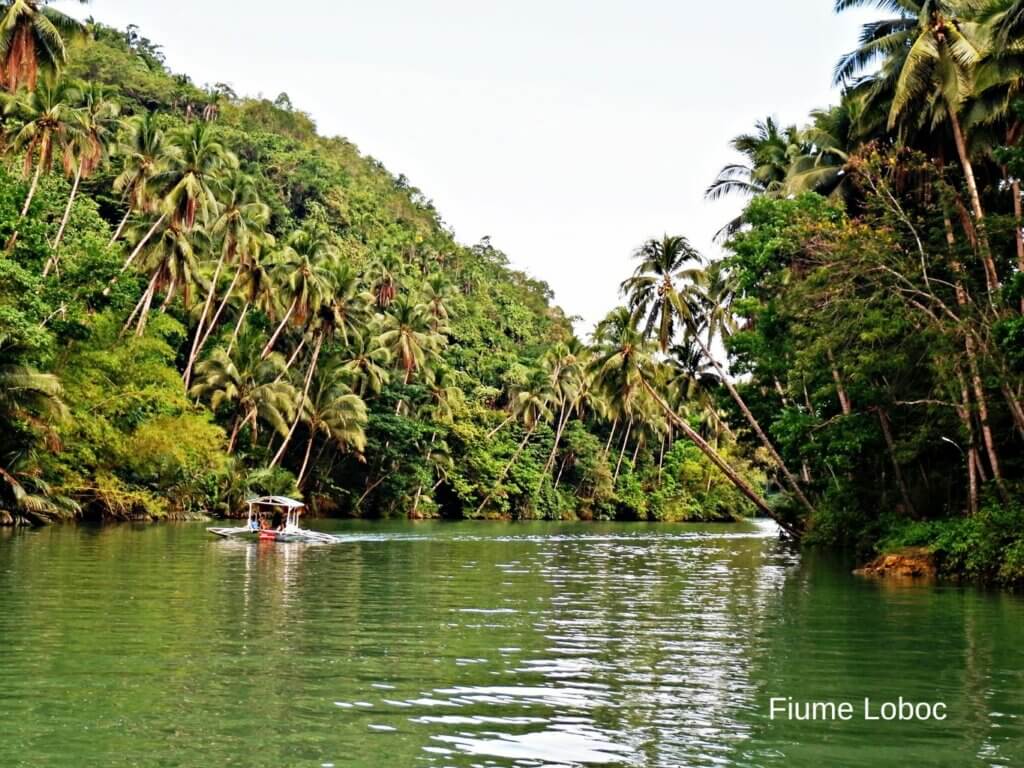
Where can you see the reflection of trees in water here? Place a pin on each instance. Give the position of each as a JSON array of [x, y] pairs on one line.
[[670, 622], [835, 637]]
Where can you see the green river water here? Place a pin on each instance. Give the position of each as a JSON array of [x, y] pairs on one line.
[[484, 644]]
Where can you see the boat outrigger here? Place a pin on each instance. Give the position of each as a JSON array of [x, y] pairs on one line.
[[258, 522]]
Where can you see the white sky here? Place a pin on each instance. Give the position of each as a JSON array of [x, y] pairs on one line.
[[567, 130]]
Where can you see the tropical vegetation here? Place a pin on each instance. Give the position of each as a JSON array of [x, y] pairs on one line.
[[202, 298]]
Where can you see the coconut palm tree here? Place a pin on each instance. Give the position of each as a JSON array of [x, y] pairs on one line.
[[651, 290], [566, 372], [365, 359], [626, 371], [241, 221], [248, 385], [33, 39], [87, 150], [672, 296], [928, 63], [46, 120], [142, 149], [303, 273], [406, 333], [531, 405], [195, 162], [172, 262], [335, 413], [437, 294]]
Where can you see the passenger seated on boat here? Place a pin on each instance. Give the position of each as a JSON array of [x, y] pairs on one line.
[[254, 525], [278, 522], [264, 525]]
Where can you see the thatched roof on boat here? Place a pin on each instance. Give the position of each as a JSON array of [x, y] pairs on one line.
[[275, 501]]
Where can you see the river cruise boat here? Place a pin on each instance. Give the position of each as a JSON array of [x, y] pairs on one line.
[[273, 518]]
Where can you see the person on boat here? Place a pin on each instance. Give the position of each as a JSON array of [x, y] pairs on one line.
[[264, 524], [278, 522]]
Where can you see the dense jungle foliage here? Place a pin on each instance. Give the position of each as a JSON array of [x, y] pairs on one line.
[[201, 298]]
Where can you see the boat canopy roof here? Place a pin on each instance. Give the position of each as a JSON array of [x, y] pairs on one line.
[[275, 501]]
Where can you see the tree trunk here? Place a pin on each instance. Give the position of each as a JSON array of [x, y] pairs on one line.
[[220, 310], [238, 327], [194, 353], [138, 305], [558, 435], [991, 276], [661, 455], [608, 445], [234, 434], [561, 469], [120, 227], [498, 428], [622, 452], [508, 467], [273, 339], [51, 263], [32, 188], [305, 460], [883, 420], [636, 450], [291, 360], [144, 313], [13, 239], [844, 399], [135, 252], [305, 393], [740, 484], [769, 446]]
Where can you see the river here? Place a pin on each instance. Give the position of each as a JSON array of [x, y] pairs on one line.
[[486, 644]]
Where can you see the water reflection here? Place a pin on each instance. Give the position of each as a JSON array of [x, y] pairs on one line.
[[479, 645]]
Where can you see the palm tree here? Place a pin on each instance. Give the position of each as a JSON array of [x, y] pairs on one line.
[[172, 262], [240, 222], [385, 273], [249, 385], [767, 154], [143, 155], [652, 288], [437, 295], [335, 413], [653, 291], [87, 150], [531, 405], [929, 70], [365, 360], [303, 270], [195, 162], [32, 39], [407, 335], [563, 366], [47, 121], [348, 304], [625, 370]]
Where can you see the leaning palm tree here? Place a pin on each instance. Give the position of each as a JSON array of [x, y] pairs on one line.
[[248, 386], [87, 151], [626, 371], [336, 414], [172, 262], [239, 224], [531, 405], [187, 183], [366, 360], [678, 299], [47, 120], [143, 153], [651, 290], [563, 366], [406, 333], [303, 271], [33, 39]]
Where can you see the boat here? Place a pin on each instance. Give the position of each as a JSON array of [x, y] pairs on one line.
[[257, 524]]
